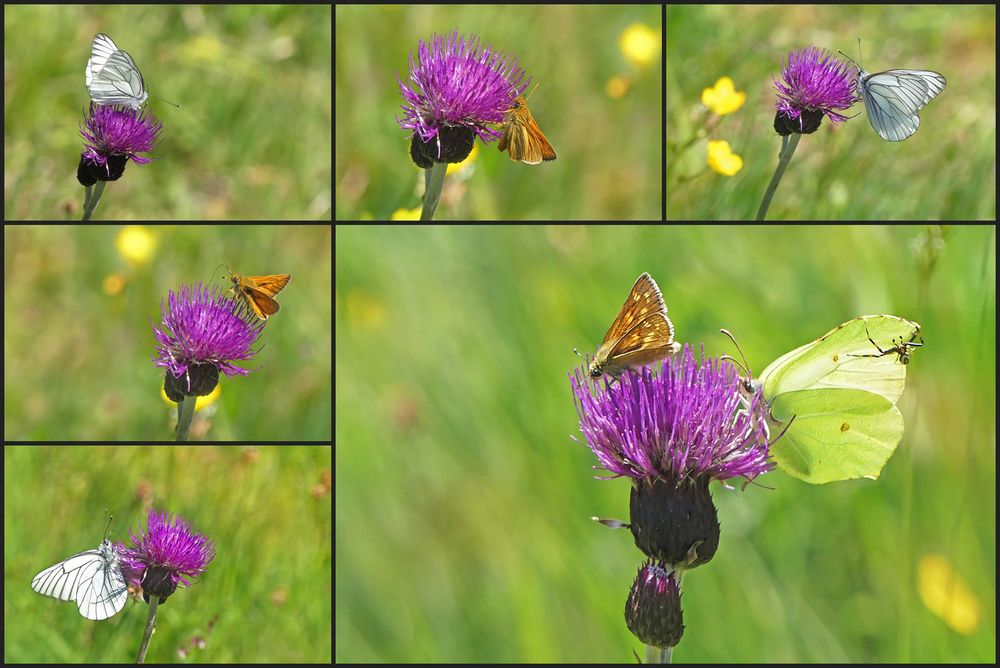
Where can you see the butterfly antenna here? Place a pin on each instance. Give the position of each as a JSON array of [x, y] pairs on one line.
[[167, 101], [745, 366], [782, 432], [217, 269]]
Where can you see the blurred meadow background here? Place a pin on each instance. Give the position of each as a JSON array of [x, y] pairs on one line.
[[267, 509], [463, 505], [946, 171], [600, 110], [79, 303], [252, 140]]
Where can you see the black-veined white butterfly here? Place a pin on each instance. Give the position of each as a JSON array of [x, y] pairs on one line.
[[112, 76], [893, 98], [93, 579]]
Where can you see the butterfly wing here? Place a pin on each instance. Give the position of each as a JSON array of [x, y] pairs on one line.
[[104, 594], [271, 285], [62, 581], [505, 138], [893, 98], [259, 292], [838, 403], [537, 147], [836, 434], [112, 75], [119, 82], [100, 50], [640, 334], [651, 339], [544, 150], [644, 299], [93, 579], [836, 360]]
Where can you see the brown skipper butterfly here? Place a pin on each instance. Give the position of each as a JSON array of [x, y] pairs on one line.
[[521, 137], [259, 291], [640, 334]]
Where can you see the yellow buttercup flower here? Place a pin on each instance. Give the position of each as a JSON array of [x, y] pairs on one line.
[[723, 98], [722, 159]]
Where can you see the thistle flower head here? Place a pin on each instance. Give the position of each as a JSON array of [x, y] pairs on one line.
[[200, 330], [114, 135], [455, 89], [814, 83]]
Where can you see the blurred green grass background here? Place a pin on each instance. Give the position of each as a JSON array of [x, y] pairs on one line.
[[265, 508], [78, 337], [463, 505], [946, 171], [252, 140], [609, 163]]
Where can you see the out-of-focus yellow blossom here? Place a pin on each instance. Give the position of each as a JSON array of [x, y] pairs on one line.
[[136, 244], [406, 214], [947, 595], [466, 164], [640, 44], [616, 87], [113, 284], [200, 402], [722, 159], [364, 311], [722, 98]]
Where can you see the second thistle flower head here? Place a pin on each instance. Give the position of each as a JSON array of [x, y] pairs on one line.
[[673, 432], [653, 609], [455, 90], [814, 83]]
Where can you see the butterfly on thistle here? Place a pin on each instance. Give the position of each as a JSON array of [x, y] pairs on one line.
[[641, 333], [258, 292]]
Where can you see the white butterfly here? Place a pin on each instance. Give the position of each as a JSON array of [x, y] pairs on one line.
[[112, 75], [93, 579], [893, 98]]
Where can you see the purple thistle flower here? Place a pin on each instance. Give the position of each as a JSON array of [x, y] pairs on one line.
[[814, 84], [114, 135], [456, 90], [167, 554], [201, 333], [677, 424], [673, 432]]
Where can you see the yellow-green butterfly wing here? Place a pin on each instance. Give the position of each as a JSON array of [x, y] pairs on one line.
[[842, 391]]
